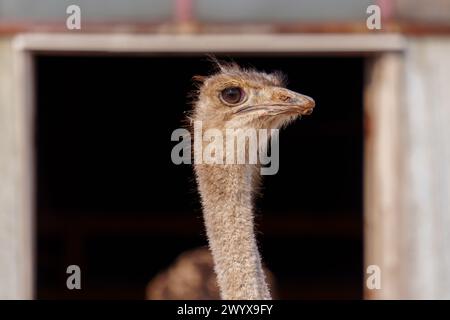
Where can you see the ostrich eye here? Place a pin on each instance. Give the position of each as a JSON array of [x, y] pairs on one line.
[[232, 95]]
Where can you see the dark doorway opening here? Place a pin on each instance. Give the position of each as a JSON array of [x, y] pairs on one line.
[[110, 200]]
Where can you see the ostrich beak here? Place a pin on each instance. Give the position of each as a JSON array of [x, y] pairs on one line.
[[283, 101], [291, 102]]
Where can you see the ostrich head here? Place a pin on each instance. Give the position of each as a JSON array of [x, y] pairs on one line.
[[239, 98], [235, 98]]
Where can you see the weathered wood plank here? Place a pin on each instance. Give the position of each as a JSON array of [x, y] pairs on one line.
[[426, 181], [348, 43], [15, 183], [382, 192]]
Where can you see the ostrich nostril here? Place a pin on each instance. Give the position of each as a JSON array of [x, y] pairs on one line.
[[286, 99]]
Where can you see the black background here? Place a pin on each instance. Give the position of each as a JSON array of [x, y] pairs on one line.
[[110, 200]]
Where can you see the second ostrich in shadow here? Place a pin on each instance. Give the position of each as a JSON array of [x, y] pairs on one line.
[[236, 98]]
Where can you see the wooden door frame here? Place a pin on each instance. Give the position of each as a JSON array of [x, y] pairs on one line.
[[384, 53]]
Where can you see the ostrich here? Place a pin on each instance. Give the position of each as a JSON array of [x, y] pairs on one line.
[[191, 277], [238, 98]]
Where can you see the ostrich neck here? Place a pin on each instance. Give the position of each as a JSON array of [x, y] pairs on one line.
[[227, 198]]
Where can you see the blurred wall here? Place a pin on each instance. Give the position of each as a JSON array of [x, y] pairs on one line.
[[205, 10]]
